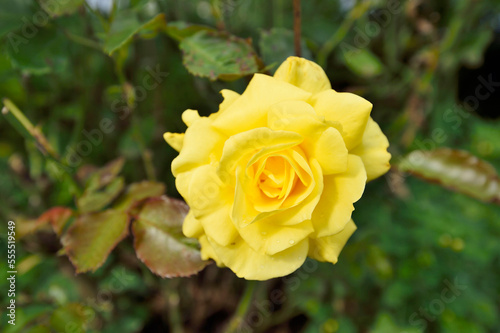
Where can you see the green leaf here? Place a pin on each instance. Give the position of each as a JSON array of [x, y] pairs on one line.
[[457, 170], [277, 44], [126, 25], [11, 15], [361, 61], [91, 238], [137, 192], [179, 30], [159, 242], [73, 317], [386, 324], [103, 176], [218, 56], [38, 329], [92, 201], [58, 8], [40, 52]]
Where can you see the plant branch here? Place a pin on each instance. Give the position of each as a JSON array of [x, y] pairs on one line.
[[297, 27]]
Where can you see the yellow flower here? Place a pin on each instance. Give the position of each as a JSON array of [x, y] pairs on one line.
[[271, 177]]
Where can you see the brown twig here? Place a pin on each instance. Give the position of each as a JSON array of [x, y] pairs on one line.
[[296, 27]]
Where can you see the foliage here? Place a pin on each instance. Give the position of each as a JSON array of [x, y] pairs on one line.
[[84, 169]]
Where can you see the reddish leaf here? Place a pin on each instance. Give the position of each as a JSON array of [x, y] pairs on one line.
[[57, 217], [159, 242], [92, 237]]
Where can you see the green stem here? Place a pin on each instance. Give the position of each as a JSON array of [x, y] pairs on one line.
[[242, 309], [147, 157], [24, 126], [13, 114], [83, 41], [174, 313], [341, 32]]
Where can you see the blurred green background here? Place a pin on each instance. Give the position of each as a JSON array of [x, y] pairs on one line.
[[424, 258]]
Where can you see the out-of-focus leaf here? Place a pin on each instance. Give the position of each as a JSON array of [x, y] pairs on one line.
[[91, 238], [385, 324], [361, 61], [126, 25], [11, 16], [38, 52], [104, 175], [139, 191], [159, 242], [24, 316], [73, 317], [471, 47], [38, 329], [277, 44], [455, 169], [179, 30], [57, 217], [92, 201], [218, 56], [58, 8]]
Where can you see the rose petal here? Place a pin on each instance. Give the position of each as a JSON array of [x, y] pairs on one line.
[[175, 140], [335, 207], [328, 248], [249, 111], [304, 74], [373, 151], [350, 110], [252, 265]]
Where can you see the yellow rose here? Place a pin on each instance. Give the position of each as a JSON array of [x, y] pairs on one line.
[[271, 177]]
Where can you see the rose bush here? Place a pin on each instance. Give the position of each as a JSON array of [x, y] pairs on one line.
[[271, 177]]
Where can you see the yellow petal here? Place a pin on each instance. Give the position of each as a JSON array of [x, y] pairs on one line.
[[249, 111], [252, 265], [331, 152], [340, 191], [210, 203], [251, 204], [190, 116], [208, 252], [304, 74], [192, 227], [239, 146], [373, 151], [175, 140], [328, 248], [305, 209], [229, 98], [269, 238], [350, 110], [321, 141], [218, 226], [201, 142]]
